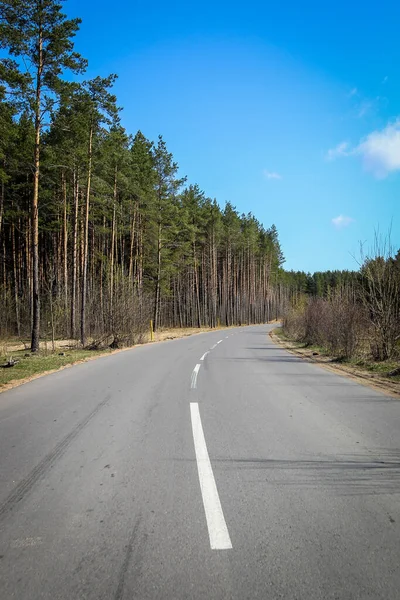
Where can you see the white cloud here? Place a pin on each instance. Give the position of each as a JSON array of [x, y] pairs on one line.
[[380, 150], [342, 221], [353, 92], [341, 149], [269, 175], [384, 80]]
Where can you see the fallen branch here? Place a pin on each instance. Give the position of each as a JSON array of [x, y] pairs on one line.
[[10, 363]]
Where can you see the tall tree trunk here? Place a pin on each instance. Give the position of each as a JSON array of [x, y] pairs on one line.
[[4, 277], [65, 241], [103, 248], [92, 262], [20, 262], [139, 264], [86, 240], [74, 251], [2, 194], [35, 206], [28, 260], [16, 299], [196, 286], [132, 242], [113, 240], [157, 294]]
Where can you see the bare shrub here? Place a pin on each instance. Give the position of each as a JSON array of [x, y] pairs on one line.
[[337, 324], [122, 322], [380, 295], [345, 327], [315, 321], [294, 321], [358, 319]]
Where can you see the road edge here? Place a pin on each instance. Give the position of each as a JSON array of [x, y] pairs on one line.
[[373, 381], [18, 382]]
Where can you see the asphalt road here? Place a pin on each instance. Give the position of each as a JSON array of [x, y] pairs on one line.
[[253, 475]]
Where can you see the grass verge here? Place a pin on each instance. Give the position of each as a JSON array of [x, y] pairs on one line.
[[374, 374], [30, 366]]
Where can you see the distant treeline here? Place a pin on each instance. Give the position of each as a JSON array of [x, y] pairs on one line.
[[320, 283]]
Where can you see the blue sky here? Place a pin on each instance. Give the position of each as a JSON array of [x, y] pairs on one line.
[[288, 110]]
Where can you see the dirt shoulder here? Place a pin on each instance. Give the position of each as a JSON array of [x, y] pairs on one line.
[[363, 376], [67, 354]]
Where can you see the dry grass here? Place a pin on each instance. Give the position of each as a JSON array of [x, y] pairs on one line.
[[10, 346], [172, 334], [30, 366]]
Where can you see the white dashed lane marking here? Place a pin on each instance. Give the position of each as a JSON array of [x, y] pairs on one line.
[[194, 376], [217, 529]]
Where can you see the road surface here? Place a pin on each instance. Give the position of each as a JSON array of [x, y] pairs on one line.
[[215, 466]]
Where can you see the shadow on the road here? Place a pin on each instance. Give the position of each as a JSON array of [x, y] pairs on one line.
[[260, 332], [272, 347], [258, 358], [374, 397], [349, 475]]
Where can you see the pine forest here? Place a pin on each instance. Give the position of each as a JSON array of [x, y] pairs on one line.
[[99, 233]]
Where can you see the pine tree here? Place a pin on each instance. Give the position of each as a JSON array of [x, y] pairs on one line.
[[99, 106], [142, 188], [38, 33], [165, 215], [192, 228]]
